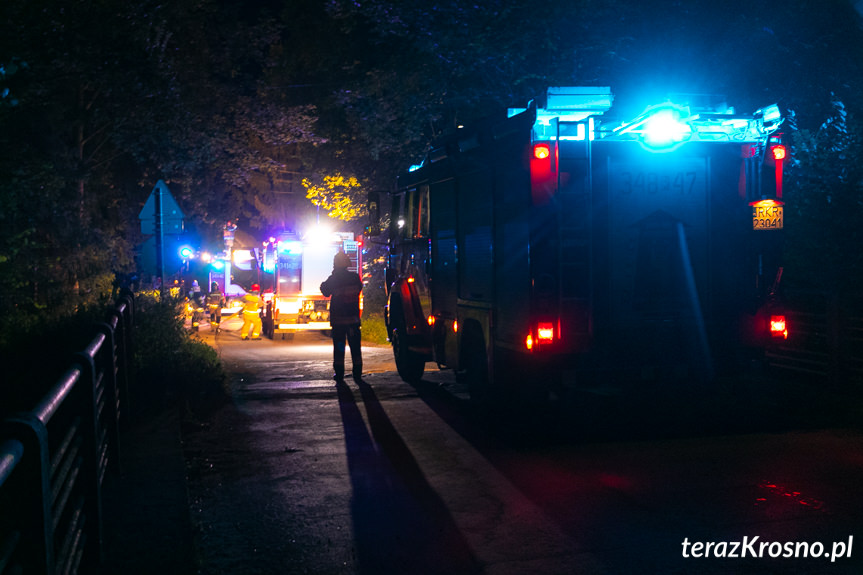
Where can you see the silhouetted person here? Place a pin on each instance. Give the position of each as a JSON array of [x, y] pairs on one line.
[[343, 287]]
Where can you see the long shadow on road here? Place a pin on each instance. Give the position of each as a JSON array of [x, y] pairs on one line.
[[400, 523]]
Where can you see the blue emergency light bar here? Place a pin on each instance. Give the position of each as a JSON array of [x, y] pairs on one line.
[[292, 247], [573, 113]]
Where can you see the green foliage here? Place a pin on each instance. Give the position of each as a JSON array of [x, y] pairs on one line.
[[824, 204], [374, 300], [170, 364], [374, 329], [342, 198]]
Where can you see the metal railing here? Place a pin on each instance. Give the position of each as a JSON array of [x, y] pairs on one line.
[[53, 458]]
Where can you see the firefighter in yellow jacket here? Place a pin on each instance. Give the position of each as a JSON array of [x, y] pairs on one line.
[[252, 305]]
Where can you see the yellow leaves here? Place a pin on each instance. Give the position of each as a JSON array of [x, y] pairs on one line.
[[339, 196]]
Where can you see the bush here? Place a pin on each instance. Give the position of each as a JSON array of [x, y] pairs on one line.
[[374, 329], [169, 363]]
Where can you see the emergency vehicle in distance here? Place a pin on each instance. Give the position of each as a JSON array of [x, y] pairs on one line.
[[298, 266], [544, 248]]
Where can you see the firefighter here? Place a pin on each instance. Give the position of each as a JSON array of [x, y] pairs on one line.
[[196, 303], [215, 303], [251, 314], [343, 287], [195, 292]]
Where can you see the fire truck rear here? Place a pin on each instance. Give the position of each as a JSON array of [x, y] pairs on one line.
[[299, 264], [547, 247]]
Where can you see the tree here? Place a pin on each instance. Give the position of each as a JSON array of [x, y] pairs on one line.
[[59, 235], [825, 203], [339, 196]]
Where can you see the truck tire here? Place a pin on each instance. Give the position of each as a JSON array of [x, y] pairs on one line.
[[409, 364]]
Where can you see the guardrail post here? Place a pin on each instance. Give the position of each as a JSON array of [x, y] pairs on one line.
[[31, 511]]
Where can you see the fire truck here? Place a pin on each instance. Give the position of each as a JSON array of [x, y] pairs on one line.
[[547, 248], [299, 264]]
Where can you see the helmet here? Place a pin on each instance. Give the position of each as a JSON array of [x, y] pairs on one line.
[[255, 287], [341, 260], [214, 286], [194, 283]]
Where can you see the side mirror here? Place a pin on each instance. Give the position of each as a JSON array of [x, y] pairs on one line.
[[374, 226]]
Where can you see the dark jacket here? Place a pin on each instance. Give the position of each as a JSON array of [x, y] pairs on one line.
[[343, 288], [216, 298]]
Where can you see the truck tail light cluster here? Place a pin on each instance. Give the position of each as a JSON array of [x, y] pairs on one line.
[[543, 335], [778, 326]]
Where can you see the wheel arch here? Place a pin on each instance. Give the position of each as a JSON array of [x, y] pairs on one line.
[[403, 299]]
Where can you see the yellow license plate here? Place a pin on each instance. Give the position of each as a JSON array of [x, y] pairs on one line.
[[767, 215]]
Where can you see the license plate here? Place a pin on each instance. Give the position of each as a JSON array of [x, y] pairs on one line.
[[767, 217]]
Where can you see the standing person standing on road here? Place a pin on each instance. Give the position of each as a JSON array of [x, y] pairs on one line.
[[252, 314], [215, 303], [343, 287]]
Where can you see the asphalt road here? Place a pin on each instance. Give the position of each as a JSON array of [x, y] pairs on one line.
[[298, 475]]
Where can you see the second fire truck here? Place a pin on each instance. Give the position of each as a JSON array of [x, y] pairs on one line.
[[546, 247], [299, 264]]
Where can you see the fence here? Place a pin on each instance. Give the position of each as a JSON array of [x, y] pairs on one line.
[[825, 341], [53, 459]]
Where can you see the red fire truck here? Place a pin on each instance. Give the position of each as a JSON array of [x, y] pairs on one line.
[[547, 247], [299, 264]]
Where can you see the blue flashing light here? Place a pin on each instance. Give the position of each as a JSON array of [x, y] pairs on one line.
[[186, 252], [771, 114], [269, 263], [665, 129], [218, 264], [291, 247]]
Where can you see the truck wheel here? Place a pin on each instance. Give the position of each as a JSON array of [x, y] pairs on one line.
[[408, 363]]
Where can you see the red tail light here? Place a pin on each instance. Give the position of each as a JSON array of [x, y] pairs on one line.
[[778, 326], [543, 172], [545, 332], [541, 151], [778, 152]]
